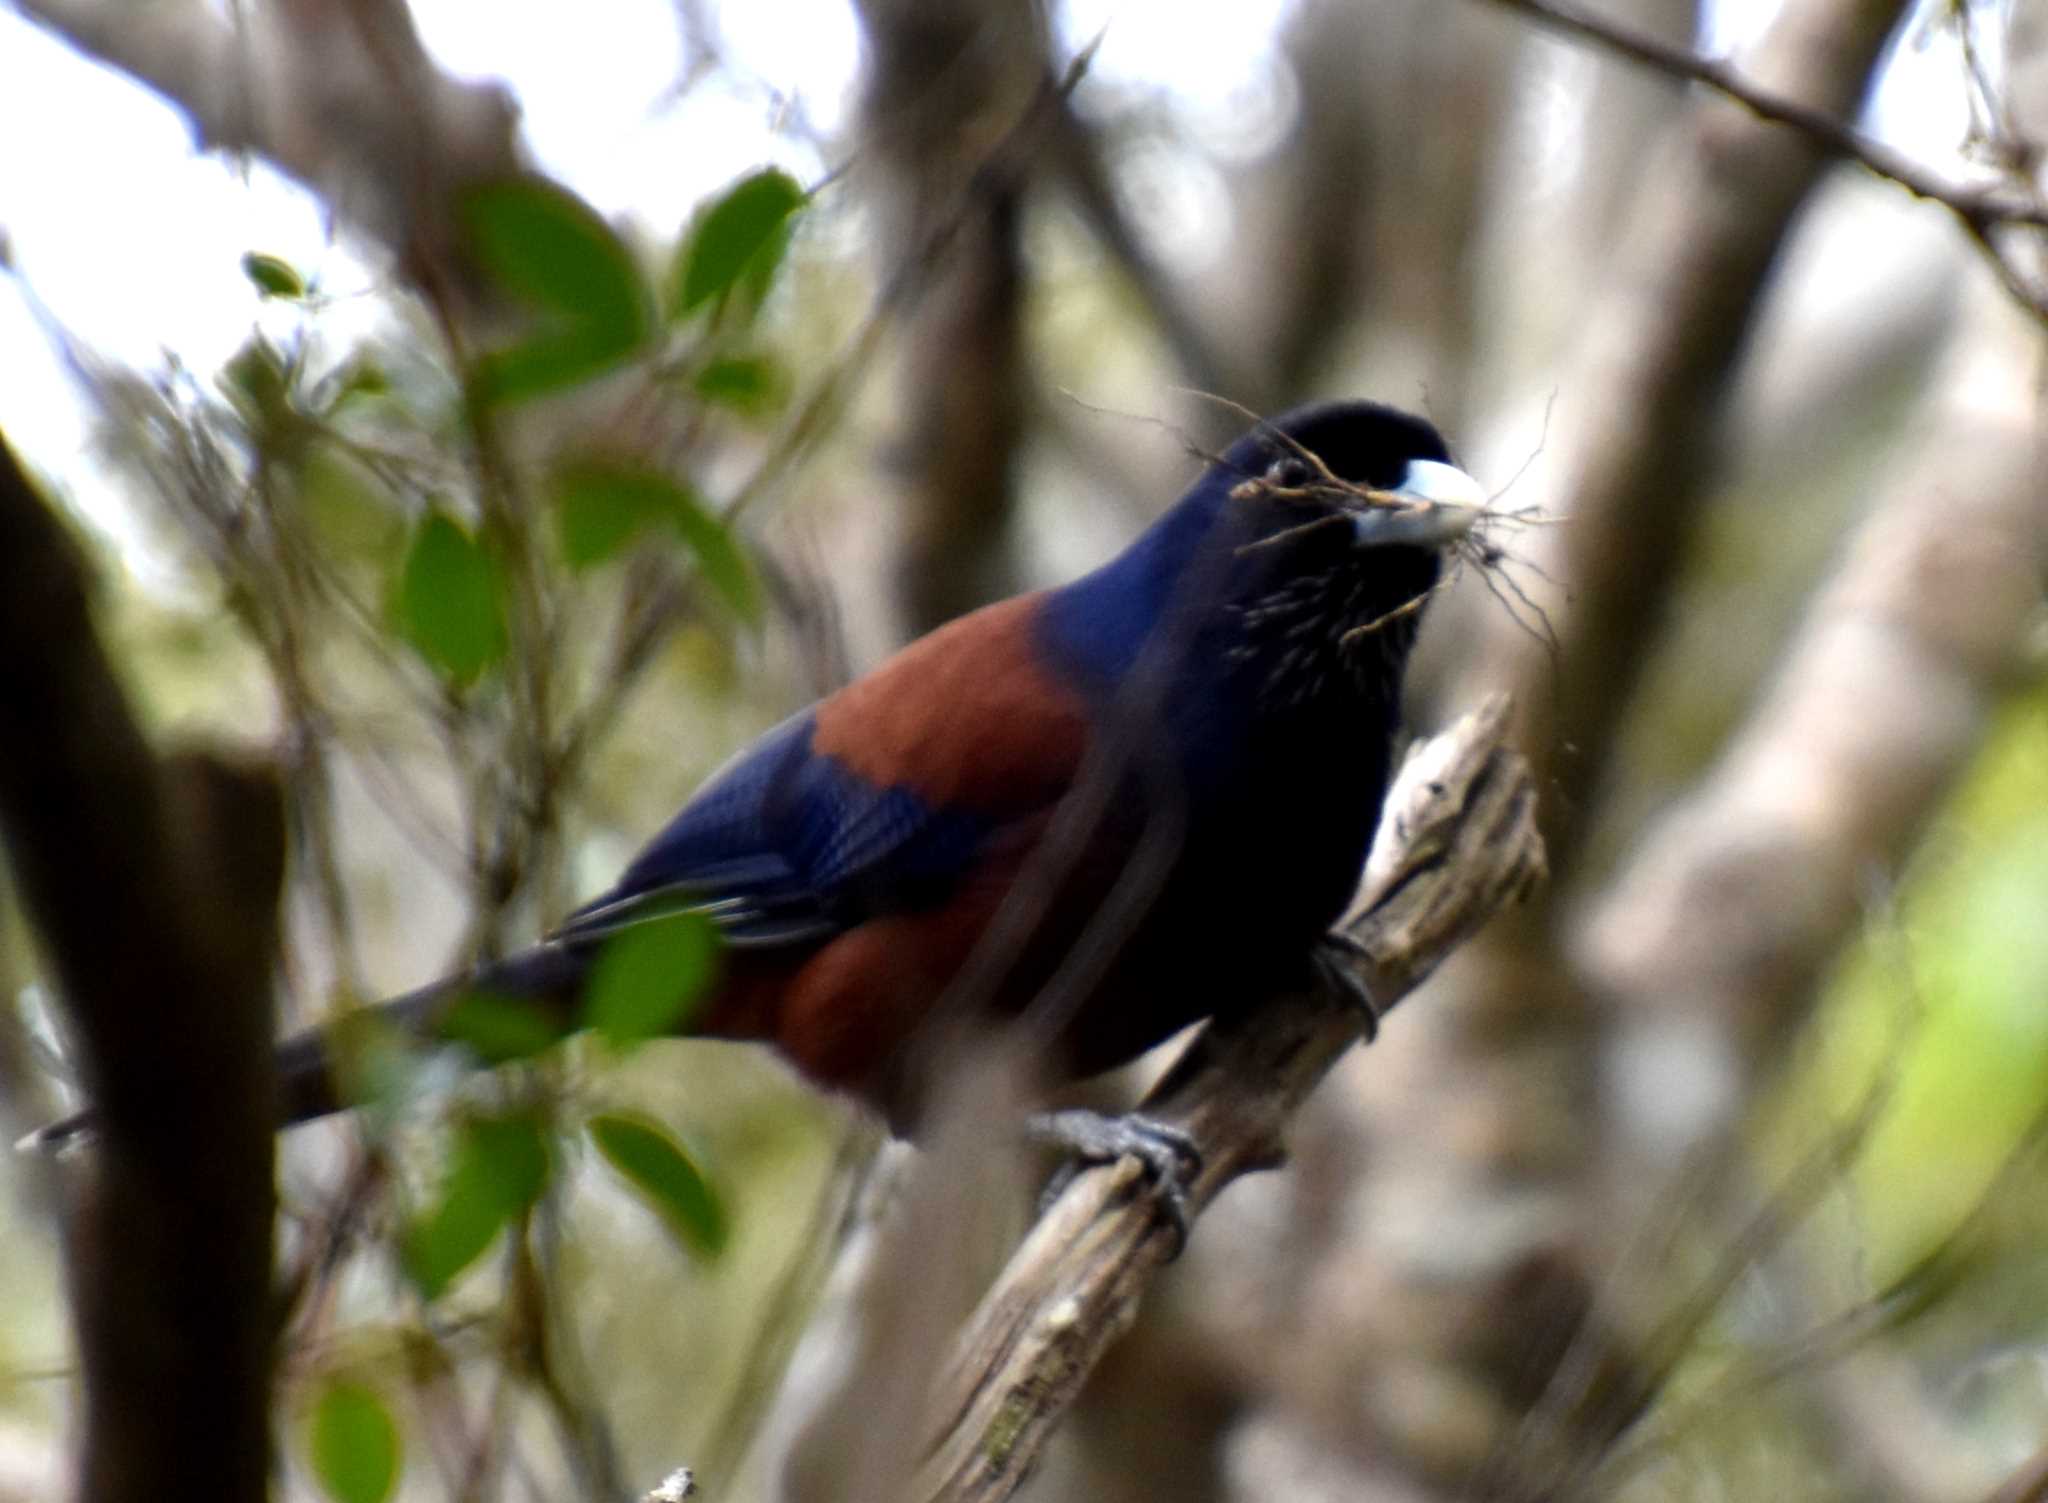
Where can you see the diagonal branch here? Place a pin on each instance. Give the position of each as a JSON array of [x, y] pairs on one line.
[[1983, 210], [1975, 205], [1457, 843]]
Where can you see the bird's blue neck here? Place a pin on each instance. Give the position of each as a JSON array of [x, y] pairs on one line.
[[1248, 646], [1098, 624], [1255, 762]]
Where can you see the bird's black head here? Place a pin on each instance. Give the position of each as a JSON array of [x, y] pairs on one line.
[[1355, 477], [1337, 517], [1362, 442]]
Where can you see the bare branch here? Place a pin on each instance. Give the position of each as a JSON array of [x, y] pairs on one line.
[[1458, 841], [1975, 205], [1983, 210]]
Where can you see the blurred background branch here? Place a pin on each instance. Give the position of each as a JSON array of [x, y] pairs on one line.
[[2014, 203]]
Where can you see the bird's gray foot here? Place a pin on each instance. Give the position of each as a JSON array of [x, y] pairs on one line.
[[1169, 1155]]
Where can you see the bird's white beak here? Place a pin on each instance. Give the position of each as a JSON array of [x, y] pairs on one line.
[[1446, 502]]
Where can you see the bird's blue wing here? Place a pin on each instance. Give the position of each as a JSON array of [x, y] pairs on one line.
[[875, 800], [783, 846]]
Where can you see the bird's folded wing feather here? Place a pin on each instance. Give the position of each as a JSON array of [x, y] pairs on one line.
[[875, 800]]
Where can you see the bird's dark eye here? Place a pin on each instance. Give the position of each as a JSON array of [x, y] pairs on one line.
[[1288, 472]]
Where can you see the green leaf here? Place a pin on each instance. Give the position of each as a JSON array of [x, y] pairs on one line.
[[451, 600], [273, 275], [600, 508], [720, 557], [759, 273], [500, 1029], [666, 1178], [504, 1159], [546, 363], [743, 234], [553, 250], [745, 384], [499, 1167], [548, 246], [438, 1246], [255, 382], [353, 1444], [648, 976]]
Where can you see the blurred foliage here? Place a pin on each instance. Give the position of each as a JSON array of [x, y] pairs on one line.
[[550, 248], [502, 645], [656, 1166], [649, 978], [1902, 1171], [450, 601], [273, 275], [738, 242], [603, 509], [352, 1443], [500, 1030], [499, 1167], [1944, 995]]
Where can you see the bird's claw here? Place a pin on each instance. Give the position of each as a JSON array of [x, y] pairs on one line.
[[1170, 1157], [1336, 960]]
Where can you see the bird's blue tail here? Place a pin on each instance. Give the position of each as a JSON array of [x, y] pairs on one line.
[[549, 975]]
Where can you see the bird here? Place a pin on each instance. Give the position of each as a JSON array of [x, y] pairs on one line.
[[1100, 811]]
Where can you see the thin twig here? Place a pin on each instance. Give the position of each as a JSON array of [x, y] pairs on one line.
[[1982, 211], [1975, 206]]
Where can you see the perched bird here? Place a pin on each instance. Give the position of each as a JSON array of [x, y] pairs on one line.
[[1107, 809]]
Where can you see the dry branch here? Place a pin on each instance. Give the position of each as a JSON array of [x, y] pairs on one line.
[[1977, 206], [1982, 210], [1458, 842]]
